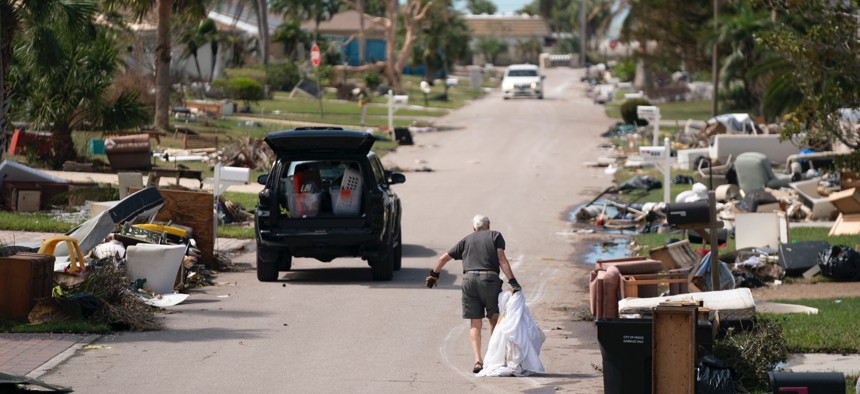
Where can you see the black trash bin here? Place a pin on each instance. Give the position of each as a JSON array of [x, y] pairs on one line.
[[626, 348], [403, 136], [812, 382]]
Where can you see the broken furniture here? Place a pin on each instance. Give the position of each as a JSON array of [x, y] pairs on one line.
[[848, 203], [127, 180], [820, 206], [76, 258], [714, 175], [158, 264], [194, 210], [733, 305], [759, 230], [606, 278], [130, 152], [155, 175], [675, 255], [24, 196], [674, 348], [755, 173], [24, 278], [139, 206], [798, 257], [768, 144]]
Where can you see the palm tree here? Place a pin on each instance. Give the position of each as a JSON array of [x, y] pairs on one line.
[[73, 91], [28, 18], [739, 31], [187, 10], [197, 37]]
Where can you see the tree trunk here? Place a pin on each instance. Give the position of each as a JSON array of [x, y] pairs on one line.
[[162, 65], [392, 76], [263, 25], [6, 33], [63, 147]]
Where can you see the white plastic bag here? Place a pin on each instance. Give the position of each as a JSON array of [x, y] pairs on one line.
[[514, 348]]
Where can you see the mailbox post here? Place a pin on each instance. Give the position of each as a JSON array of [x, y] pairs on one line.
[[394, 102], [652, 114]]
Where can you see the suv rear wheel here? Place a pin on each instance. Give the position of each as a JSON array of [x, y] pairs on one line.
[[397, 253], [267, 271], [382, 267]]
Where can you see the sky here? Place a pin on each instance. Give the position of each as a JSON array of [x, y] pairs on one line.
[[503, 6]]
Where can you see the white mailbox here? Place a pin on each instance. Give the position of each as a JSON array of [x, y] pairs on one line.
[[649, 112], [652, 153], [401, 101]]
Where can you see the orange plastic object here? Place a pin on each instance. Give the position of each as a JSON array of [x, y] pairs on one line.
[[76, 258]]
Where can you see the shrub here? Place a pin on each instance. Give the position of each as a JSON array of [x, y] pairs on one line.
[[283, 77], [628, 111], [241, 88], [625, 70], [753, 353], [372, 80]]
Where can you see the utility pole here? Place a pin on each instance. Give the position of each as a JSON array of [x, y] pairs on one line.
[[582, 33], [715, 64]]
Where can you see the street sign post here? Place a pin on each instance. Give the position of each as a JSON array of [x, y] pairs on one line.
[[315, 60]]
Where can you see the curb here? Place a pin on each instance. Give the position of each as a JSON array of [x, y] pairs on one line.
[[58, 359]]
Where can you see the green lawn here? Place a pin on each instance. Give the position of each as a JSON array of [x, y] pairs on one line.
[[832, 330], [650, 241], [678, 110]]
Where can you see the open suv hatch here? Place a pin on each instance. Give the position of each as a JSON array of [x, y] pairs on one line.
[[327, 196]]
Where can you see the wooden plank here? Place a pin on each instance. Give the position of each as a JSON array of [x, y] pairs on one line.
[[674, 350], [192, 209]]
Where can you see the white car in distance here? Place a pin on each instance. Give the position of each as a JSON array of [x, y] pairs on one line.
[[522, 80]]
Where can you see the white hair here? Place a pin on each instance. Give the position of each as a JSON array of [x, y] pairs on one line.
[[480, 221]]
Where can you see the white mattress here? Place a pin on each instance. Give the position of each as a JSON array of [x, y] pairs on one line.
[[735, 304]]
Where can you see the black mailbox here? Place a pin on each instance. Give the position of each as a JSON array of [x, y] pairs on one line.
[[688, 213]]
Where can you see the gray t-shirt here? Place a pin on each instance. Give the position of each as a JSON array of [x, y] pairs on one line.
[[478, 250]]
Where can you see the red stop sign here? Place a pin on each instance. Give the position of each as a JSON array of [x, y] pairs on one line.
[[612, 44], [315, 55]]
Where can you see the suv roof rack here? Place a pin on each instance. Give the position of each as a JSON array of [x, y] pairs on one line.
[[318, 128]]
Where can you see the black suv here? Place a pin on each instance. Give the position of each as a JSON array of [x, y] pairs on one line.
[[327, 196]]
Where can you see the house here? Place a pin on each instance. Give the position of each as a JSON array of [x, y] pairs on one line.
[[345, 28], [512, 29]]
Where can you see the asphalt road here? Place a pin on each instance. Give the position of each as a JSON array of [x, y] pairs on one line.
[[329, 328]]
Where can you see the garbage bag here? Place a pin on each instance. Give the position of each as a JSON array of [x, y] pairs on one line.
[[640, 183], [713, 376], [840, 262], [514, 348]]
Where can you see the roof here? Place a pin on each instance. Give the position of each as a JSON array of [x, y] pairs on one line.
[[347, 23], [506, 25]]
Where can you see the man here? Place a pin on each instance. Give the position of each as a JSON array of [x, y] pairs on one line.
[[483, 255]]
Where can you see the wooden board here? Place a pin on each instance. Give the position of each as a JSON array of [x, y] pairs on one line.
[[674, 349], [846, 225], [192, 209]]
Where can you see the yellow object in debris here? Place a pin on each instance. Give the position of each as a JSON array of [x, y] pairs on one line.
[[76, 258], [161, 228]]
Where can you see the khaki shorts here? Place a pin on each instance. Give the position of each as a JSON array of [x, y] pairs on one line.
[[481, 294]]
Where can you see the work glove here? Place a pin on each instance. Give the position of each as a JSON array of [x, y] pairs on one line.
[[515, 286], [432, 279]]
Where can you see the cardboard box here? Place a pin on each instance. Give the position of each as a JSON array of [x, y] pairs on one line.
[[28, 200], [846, 225], [846, 201]]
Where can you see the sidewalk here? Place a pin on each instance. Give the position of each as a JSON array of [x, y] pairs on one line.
[[35, 354]]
